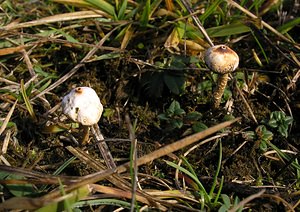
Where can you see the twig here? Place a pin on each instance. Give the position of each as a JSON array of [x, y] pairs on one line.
[[197, 22], [246, 104]]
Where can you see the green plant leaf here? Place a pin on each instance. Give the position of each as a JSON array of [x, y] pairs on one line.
[[113, 202], [226, 200], [283, 130], [279, 120], [199, 126], [9, 124], [103, 5], [122, 9], [228, 29], [249, 135], [146, 13], [18, 190], [288, 120], [153, 83], [176, 123], [66, 35], [163, 116], [263, 146], [107, 56], [175, 82], [273, 123], [193, 116], [26, 100], [172, 106], [175, 108], [289, 25], [71, 198], [190, 174], [212, 8]]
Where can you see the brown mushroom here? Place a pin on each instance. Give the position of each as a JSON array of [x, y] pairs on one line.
[[222, 60]]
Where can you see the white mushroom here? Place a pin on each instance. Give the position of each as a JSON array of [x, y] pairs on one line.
[[223, 60], [83, 105]]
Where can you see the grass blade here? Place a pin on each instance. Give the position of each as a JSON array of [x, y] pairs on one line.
[[146, 14], [27, 102], [122, 9], [103, 5]]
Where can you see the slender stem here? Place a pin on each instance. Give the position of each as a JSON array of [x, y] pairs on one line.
[[218, 93], [133, 162], [86, 135], [109, 160], [197, 22]]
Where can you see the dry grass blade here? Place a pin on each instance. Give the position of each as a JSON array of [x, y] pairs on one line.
[[172, 193], [7, 118], [118, 193], [11, 50], [57, 18], [6, 142], [76, 3], [34, 203], [246, 104]]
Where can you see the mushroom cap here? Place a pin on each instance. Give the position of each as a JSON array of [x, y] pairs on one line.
[[83, 106], [221, 59]]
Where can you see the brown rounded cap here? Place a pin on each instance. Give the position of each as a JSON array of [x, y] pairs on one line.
[[221, 59]]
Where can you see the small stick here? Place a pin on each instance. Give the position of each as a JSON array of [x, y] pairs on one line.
[[197, 22]]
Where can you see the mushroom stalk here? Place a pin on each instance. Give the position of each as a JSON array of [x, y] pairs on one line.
[[219, 91], [109, 160]]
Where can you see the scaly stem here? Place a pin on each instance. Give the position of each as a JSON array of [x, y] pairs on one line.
[[219, 91], [109, 160]]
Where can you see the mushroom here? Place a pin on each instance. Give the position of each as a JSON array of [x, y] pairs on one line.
[[83, 106], [222, 60]]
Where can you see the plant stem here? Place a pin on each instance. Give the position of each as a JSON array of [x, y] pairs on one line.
[[109, 160], [218, 93]]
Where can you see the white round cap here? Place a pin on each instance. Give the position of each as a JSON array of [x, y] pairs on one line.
[[83, 106], [221, 59]]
